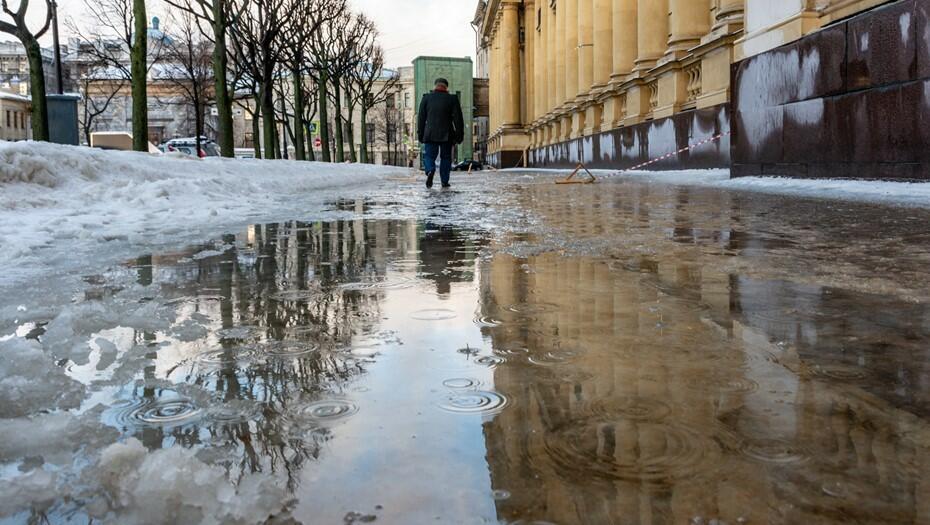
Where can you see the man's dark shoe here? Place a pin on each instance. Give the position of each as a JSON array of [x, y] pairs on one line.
[[429, 178], [446, 185]]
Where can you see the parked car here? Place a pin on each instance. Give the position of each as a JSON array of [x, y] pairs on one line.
[[467, 165], [188, 146]]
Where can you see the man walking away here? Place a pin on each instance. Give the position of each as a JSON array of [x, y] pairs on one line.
[[440, 126]]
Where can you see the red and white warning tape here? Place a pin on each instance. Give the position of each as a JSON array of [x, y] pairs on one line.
[[674, 153]]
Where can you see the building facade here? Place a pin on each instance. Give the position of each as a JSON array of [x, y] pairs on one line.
[[15, 116], [14, 68], [460, 74], [615, 83]]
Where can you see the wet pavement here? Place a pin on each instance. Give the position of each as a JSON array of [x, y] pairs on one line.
[[514, 352]]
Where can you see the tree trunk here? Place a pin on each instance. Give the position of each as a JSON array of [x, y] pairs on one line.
[[324, 116], [198, 118], [40, 129], [340, 144], [139, 52], [256, 129], [351, 129], [299, 140], [268, 120], [364, 125], [220, 63]]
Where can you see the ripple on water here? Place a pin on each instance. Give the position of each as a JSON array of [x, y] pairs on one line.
[[491, 361], [774, 451], [167, 411], [474, 402], [461, 383], [632, 450], [554, 357], [488, 322], [433, 314], [328, 410], [373, 286], [234, 412], [634, 408], [286, 349], [230, 356], [532, 308], [838, 372]]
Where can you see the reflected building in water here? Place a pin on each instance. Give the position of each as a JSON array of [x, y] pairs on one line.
[[663, 389]]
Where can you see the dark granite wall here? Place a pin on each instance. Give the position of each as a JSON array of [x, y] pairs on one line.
[[632, 145], [850, 101]]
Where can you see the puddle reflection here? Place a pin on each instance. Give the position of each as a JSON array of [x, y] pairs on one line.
[[416, 373]]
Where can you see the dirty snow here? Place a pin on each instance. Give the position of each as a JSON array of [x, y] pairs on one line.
[[57, 202], [915, 194]]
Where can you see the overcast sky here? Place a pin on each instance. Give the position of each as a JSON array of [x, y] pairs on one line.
[[409, 28]]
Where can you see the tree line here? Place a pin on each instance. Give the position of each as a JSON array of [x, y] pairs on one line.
[[297, 62]]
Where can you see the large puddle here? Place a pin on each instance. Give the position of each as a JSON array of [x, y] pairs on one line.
[[639, 355]]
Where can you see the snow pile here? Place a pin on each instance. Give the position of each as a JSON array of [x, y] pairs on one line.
[[54, 199], [174, 486]]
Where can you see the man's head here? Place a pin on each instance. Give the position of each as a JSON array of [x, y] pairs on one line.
[[441, 82]]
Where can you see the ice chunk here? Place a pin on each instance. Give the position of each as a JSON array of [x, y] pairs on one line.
[[30, 381], [174, 486]]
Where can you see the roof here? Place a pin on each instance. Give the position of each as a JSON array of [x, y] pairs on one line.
[[13, 96]]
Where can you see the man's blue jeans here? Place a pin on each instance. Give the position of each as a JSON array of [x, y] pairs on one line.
[[444, 152]]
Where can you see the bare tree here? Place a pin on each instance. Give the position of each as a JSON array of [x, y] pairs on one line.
[[346, 34], [99, 87], [256, 35], [218, 14], [188, 67], [371, 85], [304, 22], [112, 42], [18, 27]]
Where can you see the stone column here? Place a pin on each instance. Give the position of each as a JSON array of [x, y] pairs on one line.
[[625, 50], [510, 49], [652, 32], [689, 22], [559, 43], [585, 47], [603, 63], [729, 13], [585, 65], [529, 60], [492, 85], [571, 50], [551, 74], [603, 42], [539, 89], [625, 39]]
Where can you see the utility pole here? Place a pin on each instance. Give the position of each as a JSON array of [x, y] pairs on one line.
[[284, 129], [58, 67]]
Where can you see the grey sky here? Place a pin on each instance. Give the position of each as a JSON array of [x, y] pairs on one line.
[[409, 28]]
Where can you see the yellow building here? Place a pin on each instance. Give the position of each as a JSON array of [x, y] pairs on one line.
[[15, 117], [566, 70]]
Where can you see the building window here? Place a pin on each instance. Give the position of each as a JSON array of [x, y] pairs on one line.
[[407, 99], [8, 119], [370, 132], [389, 101]]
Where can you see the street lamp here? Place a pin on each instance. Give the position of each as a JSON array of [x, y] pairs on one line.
[[53, 5]]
